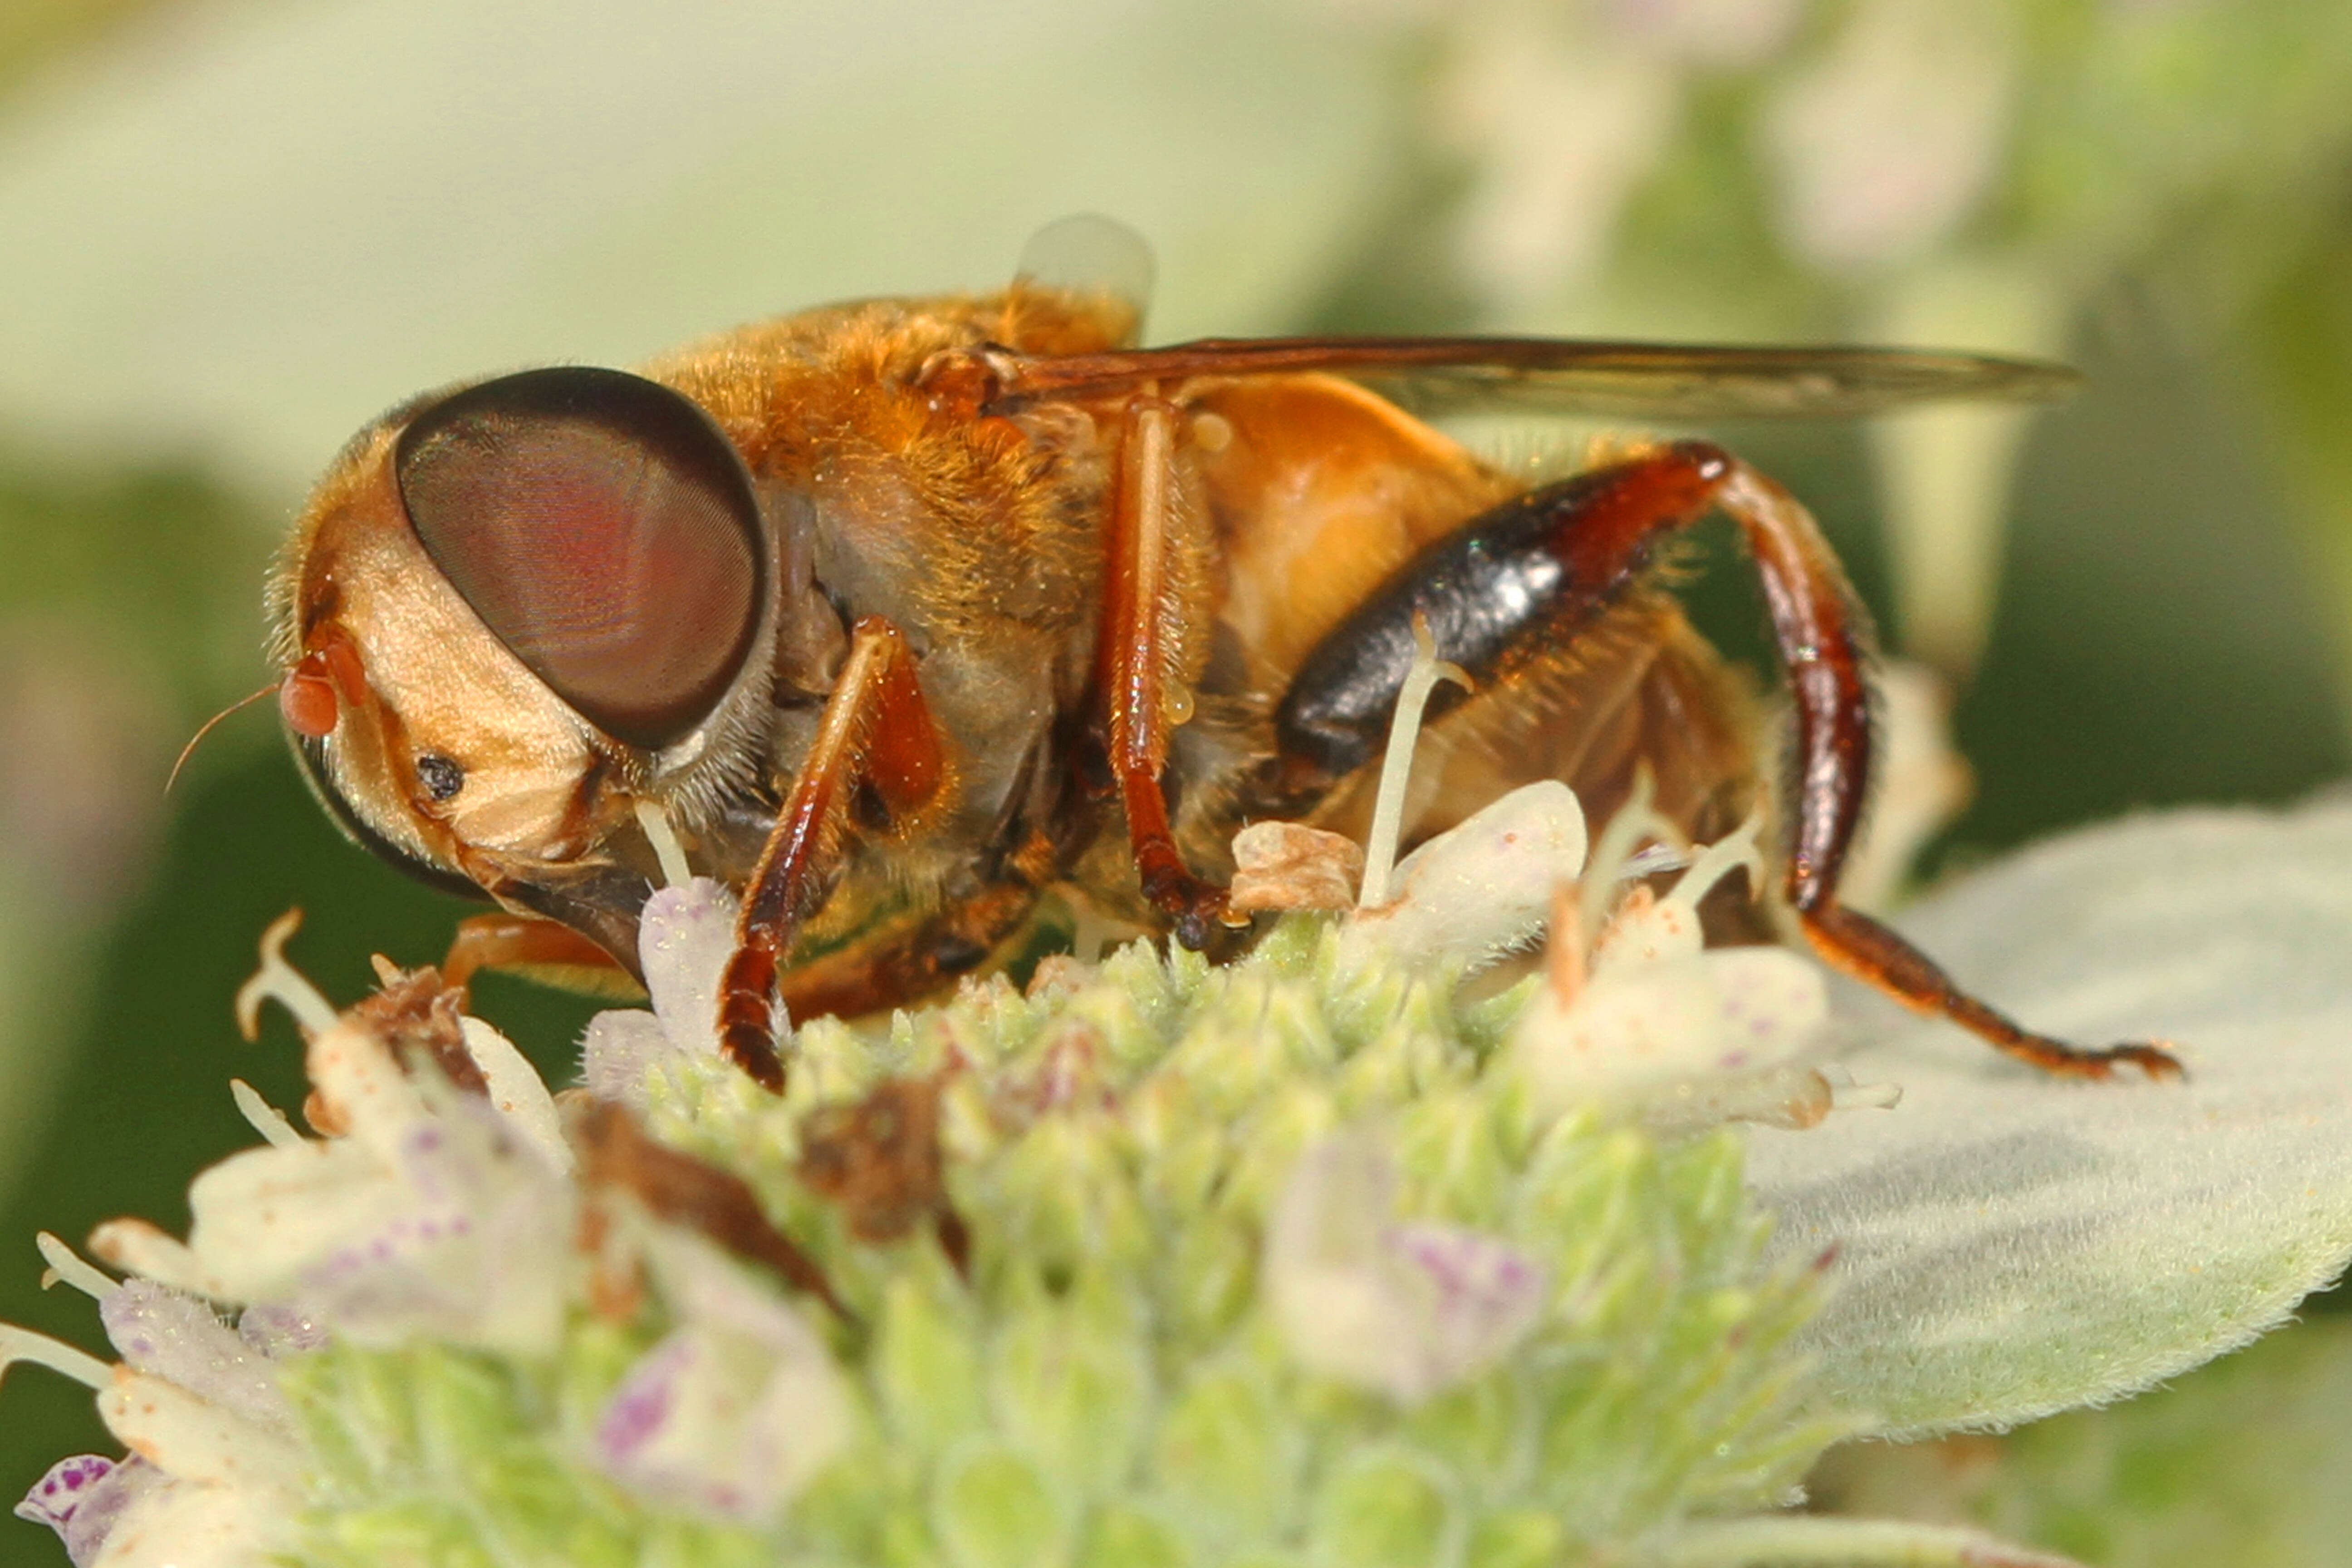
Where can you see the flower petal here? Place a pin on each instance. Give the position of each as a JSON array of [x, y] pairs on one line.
[[177, 1337], [685, 937], [516, 1089], [262, 1216], [1480, 888], [1408, 1309], [2009, 1244], [736, 1409], [621, 1046], [179, 1524], [472, 1243], [1639, 1030], [82, 1497], [192, 1439]]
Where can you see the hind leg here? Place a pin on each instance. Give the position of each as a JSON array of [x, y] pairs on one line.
[[1532, 576]]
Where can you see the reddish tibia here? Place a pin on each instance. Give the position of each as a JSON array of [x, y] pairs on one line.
[[1134, 671], [878, 730]]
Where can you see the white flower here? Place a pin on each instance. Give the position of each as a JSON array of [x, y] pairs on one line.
[[172, 1335], [1692, 1038], [1478, 890], [736, 1408], [686, 934], [1407, 1310], [226, 1490], [2007, 1243], [1657, 1020], [433, 1212], [215, 1467]]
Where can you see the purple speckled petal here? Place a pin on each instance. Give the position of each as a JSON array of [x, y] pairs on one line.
[[642, 1405], [675, 1431], [175, 1336], [1487, 1295], [80, 1499], [56, 1495], [277, 1331], [473, 1251], [721, 1425], [1408, 1309], [734, 1412]]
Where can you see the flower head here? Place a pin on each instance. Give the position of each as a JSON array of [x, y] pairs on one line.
[[1320, 1252]]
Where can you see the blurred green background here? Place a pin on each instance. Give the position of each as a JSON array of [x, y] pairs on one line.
[[230, 232]]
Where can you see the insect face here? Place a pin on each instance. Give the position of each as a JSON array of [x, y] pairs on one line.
[[511, 609]]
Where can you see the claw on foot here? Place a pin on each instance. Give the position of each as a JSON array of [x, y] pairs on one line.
[[2156, 1062]]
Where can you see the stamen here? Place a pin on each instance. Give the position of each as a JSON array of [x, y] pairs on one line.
[[1612, 860], [67, 1267], [264, 1118], [675, 872], [1396, 763], [1653, 861], [24, 1345], [1719, 859], [279, 981]]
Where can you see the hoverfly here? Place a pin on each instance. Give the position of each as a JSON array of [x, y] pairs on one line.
[[904, 613]]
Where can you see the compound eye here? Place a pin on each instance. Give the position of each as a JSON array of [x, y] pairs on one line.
[[603, 529]]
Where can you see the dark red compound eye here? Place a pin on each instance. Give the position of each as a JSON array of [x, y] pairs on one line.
[[603, 529]]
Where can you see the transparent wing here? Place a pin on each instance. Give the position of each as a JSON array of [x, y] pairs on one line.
[[1570, 376], [1096, 258]]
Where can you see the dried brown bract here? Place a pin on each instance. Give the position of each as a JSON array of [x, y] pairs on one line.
[[880, 1160], [616, 1152], [1289, 865]]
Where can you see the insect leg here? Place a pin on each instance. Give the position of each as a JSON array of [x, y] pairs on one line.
[[1534, 573], [537, 949], [876, 730], [1824, 639], [1136, 673], [908, 958]]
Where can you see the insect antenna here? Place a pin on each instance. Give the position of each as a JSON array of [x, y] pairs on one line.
[[206, 728]]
